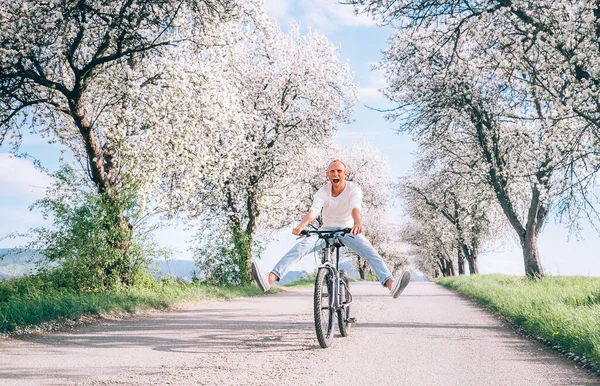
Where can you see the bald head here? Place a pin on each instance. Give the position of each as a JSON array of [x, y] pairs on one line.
[[336, 174], [331, 164]]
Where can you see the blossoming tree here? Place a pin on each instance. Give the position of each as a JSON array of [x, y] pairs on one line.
[[487, 87], [293, 92], [103, 79]]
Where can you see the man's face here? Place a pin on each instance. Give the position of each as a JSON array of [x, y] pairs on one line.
[[336, 172]]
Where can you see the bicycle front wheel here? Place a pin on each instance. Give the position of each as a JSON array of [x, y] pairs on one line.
[[324, 313]]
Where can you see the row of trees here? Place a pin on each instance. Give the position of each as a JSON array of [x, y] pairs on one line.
[[193, 109], [502, 98]]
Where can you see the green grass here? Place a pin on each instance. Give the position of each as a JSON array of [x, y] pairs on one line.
[[27, 304], [562, 311], [301, 283]]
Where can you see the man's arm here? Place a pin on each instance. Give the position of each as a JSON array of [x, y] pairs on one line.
[[357, 228], [310, 217]]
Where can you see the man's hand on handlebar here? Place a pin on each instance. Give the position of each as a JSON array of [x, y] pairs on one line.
[[296, 231]]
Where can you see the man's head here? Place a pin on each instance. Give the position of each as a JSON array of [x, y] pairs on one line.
[[337, 173]]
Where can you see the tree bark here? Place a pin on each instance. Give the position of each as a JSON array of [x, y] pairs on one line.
[[442, 265], [100, 170], [240, 239], [363, 267], [446, 266], [531, 257], [489, 143], [471, 257], [461, 261]]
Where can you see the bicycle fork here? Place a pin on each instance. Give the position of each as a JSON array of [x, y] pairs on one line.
[[335, 303]]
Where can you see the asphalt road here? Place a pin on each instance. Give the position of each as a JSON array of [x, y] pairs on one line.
[[428, 336]]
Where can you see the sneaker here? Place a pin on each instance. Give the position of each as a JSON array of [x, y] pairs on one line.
[[399, 284], [261, 280]]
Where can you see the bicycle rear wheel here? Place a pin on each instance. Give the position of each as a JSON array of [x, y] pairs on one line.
[[324, 313], [343, 314]]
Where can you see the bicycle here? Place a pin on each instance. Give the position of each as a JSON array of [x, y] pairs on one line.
[[332, 293]]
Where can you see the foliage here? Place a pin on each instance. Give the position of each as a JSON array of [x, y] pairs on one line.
[[83, 250], [111, 81], [448, 213], [219, 256], [122, 86], [290, 92], [482, 91], [563, 311]]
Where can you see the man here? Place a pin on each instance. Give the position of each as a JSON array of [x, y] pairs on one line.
[[341, 202]]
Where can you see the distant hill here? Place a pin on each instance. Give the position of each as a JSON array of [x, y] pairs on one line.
[[183, 269], [26, 256], [292, 276], [17, 264], [23, 263], [20, 264]]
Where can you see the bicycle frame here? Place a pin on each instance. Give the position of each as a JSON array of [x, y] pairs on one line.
[[332, 239], [328, 284], [334, 268]]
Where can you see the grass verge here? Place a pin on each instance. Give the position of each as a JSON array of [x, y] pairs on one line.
[[25, 307], [301, 283], [563, 312]]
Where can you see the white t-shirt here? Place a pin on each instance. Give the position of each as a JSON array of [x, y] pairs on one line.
[[337, 211]]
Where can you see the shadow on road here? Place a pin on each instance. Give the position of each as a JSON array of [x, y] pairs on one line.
[[194, 331]]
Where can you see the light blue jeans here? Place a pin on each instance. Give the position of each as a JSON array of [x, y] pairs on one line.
[[357, 243]]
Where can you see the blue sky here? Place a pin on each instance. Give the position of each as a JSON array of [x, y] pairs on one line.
[[360, 41]]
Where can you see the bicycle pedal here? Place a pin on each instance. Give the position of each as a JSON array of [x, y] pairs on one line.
[[351, 320]]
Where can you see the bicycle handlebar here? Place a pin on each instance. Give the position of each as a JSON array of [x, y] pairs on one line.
[[328, 234]]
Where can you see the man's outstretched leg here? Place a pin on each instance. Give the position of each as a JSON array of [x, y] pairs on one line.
[[263, 281], [398, 284], [301, 249], [362, 246]]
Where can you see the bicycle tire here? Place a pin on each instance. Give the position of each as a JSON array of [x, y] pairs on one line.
[[343, 315], [323, 312]]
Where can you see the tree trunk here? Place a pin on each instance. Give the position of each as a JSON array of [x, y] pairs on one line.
[[475, 262], [239, 237], [531, 257], [442, 265], [461, 261], [446, 266], [252, 212], [363, 267], [489, 143], [471, 257], [451, 268], [243, 251], [100, 168]]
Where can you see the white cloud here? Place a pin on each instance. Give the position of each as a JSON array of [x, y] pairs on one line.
[[372, 90], [17, 218], [280, 10], [20, 179], [321, 14], [369, 93]]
